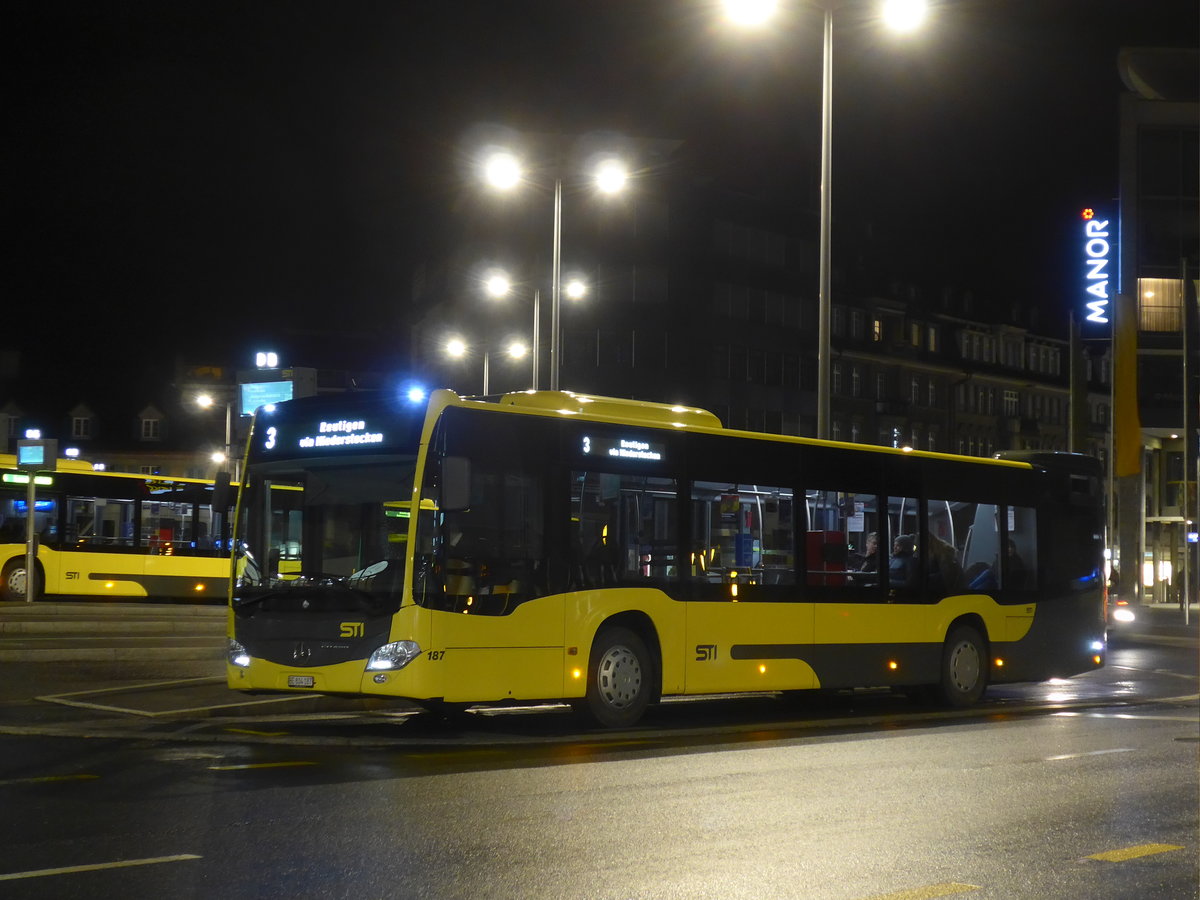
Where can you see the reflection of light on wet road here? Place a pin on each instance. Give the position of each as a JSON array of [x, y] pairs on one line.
[[1089, 753]]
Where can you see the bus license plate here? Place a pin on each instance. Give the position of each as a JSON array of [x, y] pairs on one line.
[[301, 680]]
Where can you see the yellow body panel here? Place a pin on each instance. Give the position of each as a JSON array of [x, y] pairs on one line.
[[714, 628], [587, 610], [517, 656]]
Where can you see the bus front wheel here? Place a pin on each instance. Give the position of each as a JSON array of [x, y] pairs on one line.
[[14, 581], [619, 673], [964, 667]]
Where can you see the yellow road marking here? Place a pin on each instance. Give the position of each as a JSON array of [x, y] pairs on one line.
[[49, 779], [945, 889], [120, 864], [1134, 852], [274, 765], [252, 731]]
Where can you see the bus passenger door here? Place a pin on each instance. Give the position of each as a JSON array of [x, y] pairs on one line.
[[498, 630]]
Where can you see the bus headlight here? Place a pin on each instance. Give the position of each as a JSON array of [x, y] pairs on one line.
[[237, 655], [393, 656]]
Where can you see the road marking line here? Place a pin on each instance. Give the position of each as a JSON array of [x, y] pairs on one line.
[[205, 679], [120, 864], [259, 733], [945, 889], [104, 707], [1134, 852], [1090, 753], [48, 779], [274, 765]]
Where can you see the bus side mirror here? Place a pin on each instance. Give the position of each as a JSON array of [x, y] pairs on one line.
[[456, 484], [222, 495]]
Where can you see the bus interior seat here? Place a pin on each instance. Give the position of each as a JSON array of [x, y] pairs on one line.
[[980, 576]]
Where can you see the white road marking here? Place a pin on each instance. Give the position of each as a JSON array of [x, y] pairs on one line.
[[1090, 753]]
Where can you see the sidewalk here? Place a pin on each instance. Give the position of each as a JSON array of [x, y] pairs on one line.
[[1164, 620], [97, 631]]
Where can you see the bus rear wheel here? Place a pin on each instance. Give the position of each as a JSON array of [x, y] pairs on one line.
[[619, 673], [964, 667], [13, 583]]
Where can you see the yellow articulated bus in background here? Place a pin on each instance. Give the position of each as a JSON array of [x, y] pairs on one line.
[[549, 546], [112, 535]]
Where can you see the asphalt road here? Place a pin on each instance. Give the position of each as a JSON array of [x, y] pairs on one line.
[[1085, 788]]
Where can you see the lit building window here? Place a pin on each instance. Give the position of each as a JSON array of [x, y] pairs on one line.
[[1160, 304]]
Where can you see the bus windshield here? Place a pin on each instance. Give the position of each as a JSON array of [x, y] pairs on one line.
[[334, 534]]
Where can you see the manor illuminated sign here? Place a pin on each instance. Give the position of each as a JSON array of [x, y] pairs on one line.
[[1099, 252]]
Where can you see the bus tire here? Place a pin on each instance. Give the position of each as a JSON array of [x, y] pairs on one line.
[[13, 581], [620, 669], [964, 667]]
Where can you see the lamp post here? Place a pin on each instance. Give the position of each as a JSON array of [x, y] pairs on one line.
[[457, 348], [900, 15], [206, 401], [502, 170], [498, 286]]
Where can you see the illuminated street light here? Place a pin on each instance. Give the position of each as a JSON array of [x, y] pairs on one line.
[[750, 13], [904, 15], [576, 289], [900, 15], [611, 176], [457, 348], [498, 285], [503, 170], [207, 401]]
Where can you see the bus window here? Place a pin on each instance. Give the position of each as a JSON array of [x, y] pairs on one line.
[[742, 534], [947, 524], [99, 521], [975, 532], [904, 568], [838, 544], [492, 553], [1020, 557], [623, 529]]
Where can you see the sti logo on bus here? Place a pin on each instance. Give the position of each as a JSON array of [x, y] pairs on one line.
[[1097, 251]]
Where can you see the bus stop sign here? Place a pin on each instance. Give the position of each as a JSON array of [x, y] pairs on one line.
[[37, 456]]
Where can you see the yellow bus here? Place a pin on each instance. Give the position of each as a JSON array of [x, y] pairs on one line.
[[609, 553], [115, 535]]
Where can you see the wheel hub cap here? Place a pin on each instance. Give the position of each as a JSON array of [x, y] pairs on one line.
[[619, 677]]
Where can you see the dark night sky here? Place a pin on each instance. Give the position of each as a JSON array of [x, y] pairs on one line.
[[200, 172]]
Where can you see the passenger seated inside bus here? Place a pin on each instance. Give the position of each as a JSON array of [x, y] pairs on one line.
[[902, 568], [867, 571], [1015, 573]]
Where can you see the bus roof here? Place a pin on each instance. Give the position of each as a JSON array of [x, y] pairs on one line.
[[687, 418]]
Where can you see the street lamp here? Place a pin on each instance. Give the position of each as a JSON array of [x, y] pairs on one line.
[[900, 15], [458, 348], [503, 170], [207, 401], [499, 286]]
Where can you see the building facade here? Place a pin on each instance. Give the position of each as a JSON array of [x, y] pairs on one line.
[[1160, 256]]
